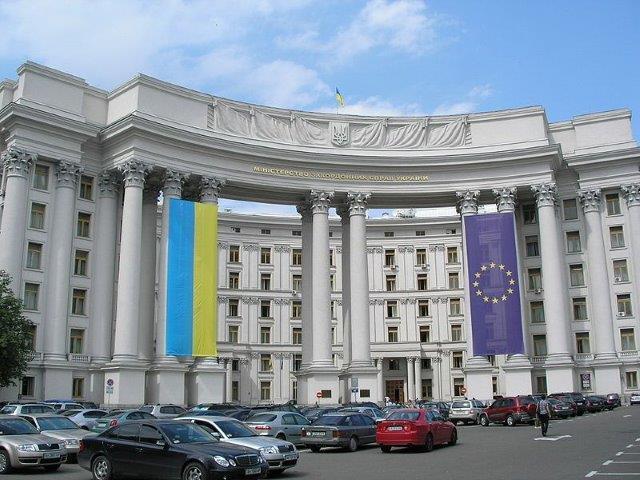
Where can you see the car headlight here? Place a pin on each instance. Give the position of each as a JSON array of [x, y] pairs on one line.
[[223, 462], [29, 447], [72, 442], [269, 450]]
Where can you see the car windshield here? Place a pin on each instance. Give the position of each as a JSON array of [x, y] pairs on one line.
[[329, 420], [185, 433], [411, 416], [262, 418], [146, 408], [234, 429], [113, 415], [16, 426], [461, 405], [8, 409], [56, 423], [70, 413]]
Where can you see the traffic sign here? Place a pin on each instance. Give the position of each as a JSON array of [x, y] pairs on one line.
[[463, 390], [319, 395], [354, 390], [110, 382]]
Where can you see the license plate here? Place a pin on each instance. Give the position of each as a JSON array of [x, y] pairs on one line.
[[290, 456], [316, 434], [252, 471], [50, 455], [394, 429]]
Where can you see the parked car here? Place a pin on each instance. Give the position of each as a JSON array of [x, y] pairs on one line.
[[577, 397], [414, 427], [168, 449], [22, 446], [361, 404], [316, 413], [613, 401], [63, 406], [559, 409], [117, 417], [442, 407], [340, 429], [89, 405], [568, 399], [375, 413], [60, 428], [465, 411], [280, 454], [635, 398], [510, 411], [84, 418], [282, 425], [202, 413], [596, 403], [219, 407], [163, 410], [26, 409], [241, 415], [283, 407]]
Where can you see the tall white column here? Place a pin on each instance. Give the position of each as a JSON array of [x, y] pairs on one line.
[[229, 381], [380, 380], [346, 288], [304, 210], [556, 296], [418, 377], [59, 268], [631, 194], [17, 165], [411, 379]]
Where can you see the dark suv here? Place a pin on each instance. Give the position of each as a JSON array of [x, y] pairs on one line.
[[510, 411], [578, 398]]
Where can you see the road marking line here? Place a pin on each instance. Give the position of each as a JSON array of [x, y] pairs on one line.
[[607, 462], [627, 453], [553, 439], [626, 416], [590, 474], [627, 461], [617, 474], [637, 440]]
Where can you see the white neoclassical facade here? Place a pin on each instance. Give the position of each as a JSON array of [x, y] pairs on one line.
[[310, 306]]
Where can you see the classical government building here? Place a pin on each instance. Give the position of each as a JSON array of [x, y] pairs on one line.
[[320, 307]]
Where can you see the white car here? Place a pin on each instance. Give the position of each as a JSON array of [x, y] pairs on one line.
[[635, 398], [26, 409]]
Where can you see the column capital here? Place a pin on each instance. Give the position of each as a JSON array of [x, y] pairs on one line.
[[304, 209], [67, 174], [545, 193], [505, 198], [134, 173], [108, 183], [18, 162], [210, 189], [320, 200], [590, 199], [343, 213], [172, 186], [467, 202], [631, 193], [151, 193], [357, 202]]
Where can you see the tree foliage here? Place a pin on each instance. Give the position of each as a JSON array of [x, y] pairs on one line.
[[15, 335]]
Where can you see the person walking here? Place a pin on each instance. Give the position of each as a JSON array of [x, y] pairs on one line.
[[543, 412]]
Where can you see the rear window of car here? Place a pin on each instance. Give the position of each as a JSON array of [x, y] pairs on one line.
[[262, 418], [461, 405], [70, 413], [147, 408], [329, 420], [37, 409], [8, 409], [411, 416]]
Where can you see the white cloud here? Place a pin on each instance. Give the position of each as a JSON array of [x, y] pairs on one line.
[[481, 91], [469, 104], [376, 106]]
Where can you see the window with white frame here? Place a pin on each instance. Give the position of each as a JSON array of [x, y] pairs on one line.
[[456, 359], [533, 246], [265, 391], [234, 253], [423, 308], [539, 345], [234, 307], [570, 209], [455, 307], [265, 281], [579, 308], [265, 255], [296, 309], [83, 228], [392, 308], [297, 362], [422, 282], [529, 214], [296, 282], [576, 275], [627, 339], [265, 362], [392, 334], [582, 342], [456, 332], [421, 256], [296, 336], [77, 387], [425, 334], [389, 258], [265, 308], [31, 294], [624, 305], [265, 334], [390, 283], [80, 263], [454, 280], [86, 187], [296, 257], [41, 177], [620, 271], [27, 386], [34, 255], [616, 235], [631, 379], [234, 280], [535, 278], [36, 218], [79, 302], [452, 255], [537, 312], [573, 242], [76, 341], [233, 333], [612, 201]]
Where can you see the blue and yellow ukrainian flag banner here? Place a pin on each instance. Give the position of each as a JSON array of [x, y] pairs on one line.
[[192, 279]]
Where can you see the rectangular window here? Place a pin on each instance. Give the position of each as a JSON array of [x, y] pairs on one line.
[[83, 226], [391, 283], [296, 233], [296, 336], [234, 305], [389, 234], [80, 263], [455, 307], [394, 364], [332, 307], [616, 234], [613, 204], [392, 334], [389, 258], [423, 308], [425, 364], [624, 305], [41, 177], [427, 388], [234, 280], [582, 342], [537, 312], [296, 257], [27, 386], [235, 391], [36, 219], [452, 255], [296, 309], [296, 283], [458, 385], [529, 216], [541, 384], [620, 272], [232, 333], [576, 275], [421, 256], [34, 255], [234, 253], [334, 338], [265, 362], [76, 341], [332, 281], [297, 362], [423, 283], [86, 187], [265, 390], [265, 334], [265, 281], [631, 379], [539, 345], [265, 255], [570, 209], [392, 309], [456, 359], [420, 233], [235, 365], [579, 308], [535, 279], [627, 339], [31, 294], [456, 333], [79, 302], [454, 280], [265, 308], [265, 231], [33, 332], [573, 242], [332, 258], [425, 334], [77, 388], [533, 248]]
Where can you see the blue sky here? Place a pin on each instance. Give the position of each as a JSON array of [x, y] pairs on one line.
[[388, 57]]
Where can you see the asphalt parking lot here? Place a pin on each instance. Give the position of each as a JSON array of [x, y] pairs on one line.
[[603, 445]]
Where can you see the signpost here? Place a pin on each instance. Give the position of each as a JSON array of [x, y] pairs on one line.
[[108, 389], [354, 389]]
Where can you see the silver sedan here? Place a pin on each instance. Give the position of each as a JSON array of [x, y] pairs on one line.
[[60, 429], [282, 425]]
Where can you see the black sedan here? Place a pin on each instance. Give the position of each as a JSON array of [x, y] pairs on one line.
[[167, 449]]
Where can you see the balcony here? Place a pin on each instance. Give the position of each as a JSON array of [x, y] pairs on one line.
[[538, 359], [628, 354], [583, 357], [78, 358]]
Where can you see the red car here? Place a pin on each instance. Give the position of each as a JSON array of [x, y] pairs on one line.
[[412, 427], [510, 411]]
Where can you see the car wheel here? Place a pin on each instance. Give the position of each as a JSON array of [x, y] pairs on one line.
[[454, 437], [281, 436], [51, 468], [484, 421], [5, 463], [353, 444], [385, 448], [510, 421], [101, 468], [194, 471], [428, 443], [276, 471], [314, 448]]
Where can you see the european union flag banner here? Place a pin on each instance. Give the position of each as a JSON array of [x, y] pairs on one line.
[[192, 279], [492, 259]]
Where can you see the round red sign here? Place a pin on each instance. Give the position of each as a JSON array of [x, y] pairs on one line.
[[319, 395], [463, 390]]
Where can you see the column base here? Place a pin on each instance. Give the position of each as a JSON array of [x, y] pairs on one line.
[[313, 381], [560, 377], [128, 389], [607, 378], [206, 382], [96, 383], [478, 373], [517, 375], [367, 380], [166, 382], [57, 382]]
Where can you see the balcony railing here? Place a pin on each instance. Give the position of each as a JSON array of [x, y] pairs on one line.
[[583, 357], [538, 359], [628, 353], [79, 358]]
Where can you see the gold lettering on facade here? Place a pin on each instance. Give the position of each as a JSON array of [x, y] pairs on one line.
[[285, 172]]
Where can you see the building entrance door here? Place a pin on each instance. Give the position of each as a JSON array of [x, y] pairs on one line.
[[395, 390]]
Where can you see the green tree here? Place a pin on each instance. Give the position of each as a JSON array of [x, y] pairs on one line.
[[15, 335]]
